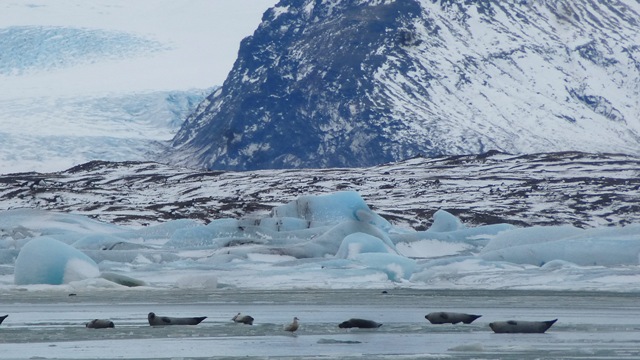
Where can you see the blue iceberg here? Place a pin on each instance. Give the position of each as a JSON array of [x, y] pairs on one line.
[[45, 260]]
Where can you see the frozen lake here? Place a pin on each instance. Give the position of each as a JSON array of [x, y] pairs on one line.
[[50, 324]]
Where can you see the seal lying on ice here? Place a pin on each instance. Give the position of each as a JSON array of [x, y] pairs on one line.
[[244, 319], [100, 324], [165, 320], [444, 317], [359, 323], [513, 326]]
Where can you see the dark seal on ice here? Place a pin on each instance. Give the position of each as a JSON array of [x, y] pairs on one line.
[[359, 323], [155, 320], [100, 324], [243, 319], [527, 327], [444, 317]]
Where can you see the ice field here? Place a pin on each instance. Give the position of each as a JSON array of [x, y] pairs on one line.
[[331, 241], [324, 259]]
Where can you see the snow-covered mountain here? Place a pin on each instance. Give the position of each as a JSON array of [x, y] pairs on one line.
[[581, 189], [109, 79], [357, 83]]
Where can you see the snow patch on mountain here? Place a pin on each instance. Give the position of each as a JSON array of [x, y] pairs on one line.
[[358, 83]]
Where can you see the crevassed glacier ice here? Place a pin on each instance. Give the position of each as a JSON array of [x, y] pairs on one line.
[[332, 240]]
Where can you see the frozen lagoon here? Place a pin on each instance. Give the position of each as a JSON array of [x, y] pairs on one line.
[[324, 260], [49, 324]]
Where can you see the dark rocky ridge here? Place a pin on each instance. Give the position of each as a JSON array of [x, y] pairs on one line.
[[540, 189]]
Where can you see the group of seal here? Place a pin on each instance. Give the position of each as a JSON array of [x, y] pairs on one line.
[[440, 317], [498, 327], [155, 320]]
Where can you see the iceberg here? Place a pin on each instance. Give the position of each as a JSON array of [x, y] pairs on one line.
[[611, 247], [358, 243], [396, 267], [45, 260], [330, 209], [332, 240]]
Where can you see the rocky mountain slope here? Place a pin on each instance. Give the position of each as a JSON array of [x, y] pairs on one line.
[[348, 83], [541, 189]]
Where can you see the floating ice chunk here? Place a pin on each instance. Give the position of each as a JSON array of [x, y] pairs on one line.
[[531, 235], [14, 236], [331, 208], [329, 242], [358, 243], [396, 267], [445, 222], [206, 236], [558, 264], [162, 231], [103, 242], [432, 248], [478, 236], [284, 224], [122, 279], [586, 251], [48, 261], [66, 227], [447, 227]]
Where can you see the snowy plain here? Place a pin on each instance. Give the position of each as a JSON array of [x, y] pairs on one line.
[[109, 79]]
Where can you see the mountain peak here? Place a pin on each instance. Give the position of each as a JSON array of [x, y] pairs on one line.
[[357, 83]]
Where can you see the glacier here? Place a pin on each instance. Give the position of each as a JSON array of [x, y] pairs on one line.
[[330, 241], [111, 79]]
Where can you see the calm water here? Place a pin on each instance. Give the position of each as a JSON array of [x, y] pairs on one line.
[[50, 325]]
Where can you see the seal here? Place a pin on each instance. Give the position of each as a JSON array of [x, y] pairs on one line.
[[359, 323], [528, 327], [293, 326], [165, 320], [243, 319], [100, 324], [444, 317], [2, 318]]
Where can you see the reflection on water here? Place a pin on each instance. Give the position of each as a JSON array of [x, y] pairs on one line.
[[51, 325]]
